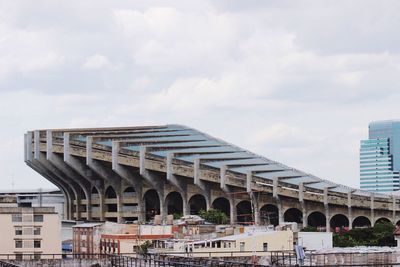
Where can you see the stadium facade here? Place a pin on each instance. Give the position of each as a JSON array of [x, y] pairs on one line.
[[135, 173]]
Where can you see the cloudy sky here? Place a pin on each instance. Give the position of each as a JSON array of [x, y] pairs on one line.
[[295, 81]]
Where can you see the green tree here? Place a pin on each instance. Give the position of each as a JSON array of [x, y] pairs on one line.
[[380, 235], [144, 248], [214, 216]]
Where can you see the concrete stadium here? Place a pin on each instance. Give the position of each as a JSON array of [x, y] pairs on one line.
[[133, 173]]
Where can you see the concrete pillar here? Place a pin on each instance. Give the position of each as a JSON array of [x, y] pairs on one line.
[[223, 178], [78, 207], [281, 218], [119, 205], [302, 204], [326, 205], [350, 214], [233, 212], [101, 203], [372, 209]]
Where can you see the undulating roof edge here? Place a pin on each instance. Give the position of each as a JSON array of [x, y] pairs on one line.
[[188, 132]]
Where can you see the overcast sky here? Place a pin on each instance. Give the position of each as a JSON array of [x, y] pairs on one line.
[[295, 81]]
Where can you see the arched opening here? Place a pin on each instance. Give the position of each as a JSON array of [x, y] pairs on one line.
[[110, 193], [244, 212], [382, 220], [398, 223], [129, 192], [269, 214], [152, 204], [95, 204], [129, 205], [316, 219], [293, 215], [361, 222], [174, 203], [339, 221], [111, 203], [223, 205], [197, 203], [94, 192]]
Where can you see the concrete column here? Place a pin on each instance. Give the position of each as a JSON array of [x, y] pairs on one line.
[[223, 177], [350, 213], [302, 204], [101, 203], [372, 209], [119, 205], [280, 212], [78, 208], [233, 212], [89, 206], [249, 178], [326, 205], [185, 206]]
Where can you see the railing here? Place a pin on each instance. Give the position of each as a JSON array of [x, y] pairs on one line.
[[283, 258], [7, 264]]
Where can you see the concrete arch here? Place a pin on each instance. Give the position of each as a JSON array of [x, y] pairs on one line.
[[196, 203], [361, 222], [174, 203], [110, 193], [339, 220], [94, 191], [223, 205], [316, 219], [129, 191], [293, 215], [151, 202], [382, 219], [244, 212], [269, 214]]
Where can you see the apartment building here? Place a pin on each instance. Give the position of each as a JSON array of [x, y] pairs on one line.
[[29, 233]]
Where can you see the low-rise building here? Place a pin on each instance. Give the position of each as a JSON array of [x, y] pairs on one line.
[[245, 244], [128, 243], [29, 232], [315, 240]]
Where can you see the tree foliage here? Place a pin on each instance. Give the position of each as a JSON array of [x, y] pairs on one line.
[[380, 235], [214, 216]]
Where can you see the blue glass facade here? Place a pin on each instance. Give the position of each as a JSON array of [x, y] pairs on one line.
[[380, 157]]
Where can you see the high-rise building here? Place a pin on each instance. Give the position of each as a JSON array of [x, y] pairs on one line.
[[380, 157]]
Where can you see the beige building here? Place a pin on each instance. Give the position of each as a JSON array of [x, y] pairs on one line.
[[29, 232], [246, 244]]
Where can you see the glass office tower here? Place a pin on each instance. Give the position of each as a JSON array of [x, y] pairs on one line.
[[380, 157]]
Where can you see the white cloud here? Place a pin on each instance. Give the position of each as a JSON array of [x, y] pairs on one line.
[[95, 62]]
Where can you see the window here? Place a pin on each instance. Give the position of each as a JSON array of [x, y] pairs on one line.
[[27, 218], [18, 230], [36, 244], [18, 243], [241, 246], [37, 231], [16, 218], [18, 256], [37, 256], [38, 218], [265, 246], [27, 231]]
